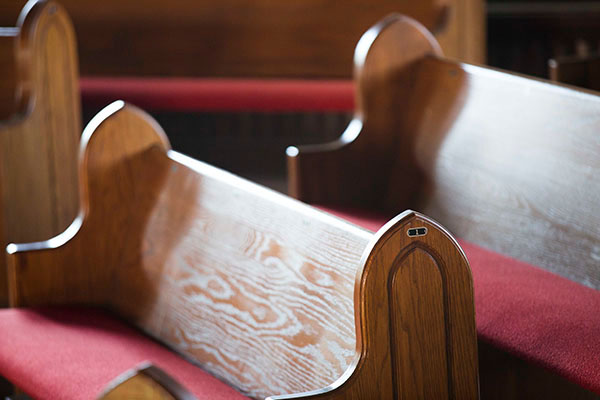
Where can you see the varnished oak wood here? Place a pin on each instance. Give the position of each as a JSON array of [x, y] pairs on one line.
[[250, 38], [39, 103], [504, 161], [145, 382], [259, 289]]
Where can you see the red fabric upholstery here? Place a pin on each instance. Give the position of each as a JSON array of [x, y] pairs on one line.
[[181, 94], [527, 311], [71, 353]]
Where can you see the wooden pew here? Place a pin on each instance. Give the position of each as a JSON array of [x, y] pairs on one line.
[[39, 127], [242, 38], [259, 289], [508, 164]]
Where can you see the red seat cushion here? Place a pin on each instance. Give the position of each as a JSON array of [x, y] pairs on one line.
[[527, 311], [73, 353], [197, 94]]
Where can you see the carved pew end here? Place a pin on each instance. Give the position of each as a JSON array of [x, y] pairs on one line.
[[415, 318]]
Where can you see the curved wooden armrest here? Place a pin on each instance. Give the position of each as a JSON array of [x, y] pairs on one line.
[[148, 382]]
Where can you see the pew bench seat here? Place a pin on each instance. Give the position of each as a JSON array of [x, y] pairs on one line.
[[73, 352], [531, 313]]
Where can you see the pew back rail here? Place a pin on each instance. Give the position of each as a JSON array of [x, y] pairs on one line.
[[259, 289]]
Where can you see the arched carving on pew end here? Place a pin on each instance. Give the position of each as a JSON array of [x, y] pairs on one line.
[[415, 318], [317, 173]]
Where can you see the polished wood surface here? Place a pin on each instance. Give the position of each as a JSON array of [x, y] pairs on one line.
[[503, 161], [256, 38], [145, 382], [40, 130], [259, 289]]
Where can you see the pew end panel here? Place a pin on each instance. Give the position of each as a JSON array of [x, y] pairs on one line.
[[75, 266], [41, 124], [349, 171], [408, 347], [259, 289]]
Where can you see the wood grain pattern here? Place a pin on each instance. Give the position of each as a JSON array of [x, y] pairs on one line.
[[254, 286], [248, 38], [501, 160], [38, 140], [145, 382]]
